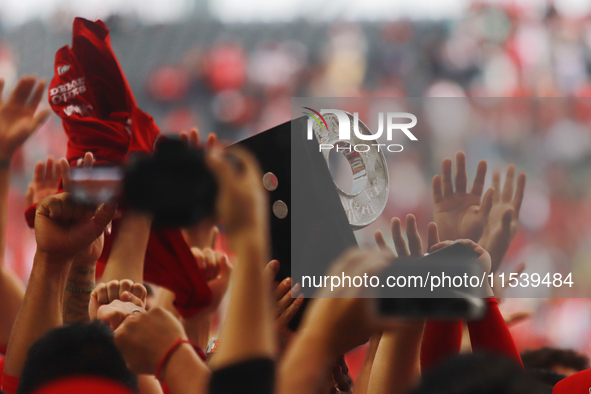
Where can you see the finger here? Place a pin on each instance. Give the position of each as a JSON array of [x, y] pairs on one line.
[[103, 216], [340, 378], [461, 175], [37, 95], [282, 289], [29, 195], [506, 220], [126, 296], [22, 91], [415, 244], [194, 138], [125, 285], [478, 186], [486, 205], [39, 119], [184, 137], [519, 193], [57, 176], [214, 237], [1, 89], [66, 179], [55, 209], [508, 188], [39, 175], [212, 140], [49, 172], [436, 186], [199, 258], [399, 242], [496, 183], [447, 185], [433, 235], [102, 295], [139, 290], [292, 309], [440, 245], [381, 241], [285, 301], [113, 290], [88, 160], [211, 265], [519, 269], [271, 270]]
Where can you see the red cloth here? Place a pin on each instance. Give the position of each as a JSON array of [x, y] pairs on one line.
[[492, 335], [9, 383], [579, 383], [83, 384], [99, 114], [441, 340]]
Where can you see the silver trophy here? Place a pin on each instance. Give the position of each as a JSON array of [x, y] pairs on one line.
[[368, 197]]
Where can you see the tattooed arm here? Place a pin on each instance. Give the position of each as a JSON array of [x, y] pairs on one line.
[[81, 282]]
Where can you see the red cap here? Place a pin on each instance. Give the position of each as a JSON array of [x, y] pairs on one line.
[[579, 383], [83, 384]]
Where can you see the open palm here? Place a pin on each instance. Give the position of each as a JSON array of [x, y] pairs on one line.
[[504, 215], [17, 115], [459, 214]]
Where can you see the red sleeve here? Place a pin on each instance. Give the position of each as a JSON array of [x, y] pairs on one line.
[[491, 333], [441, 339], [9, 383]]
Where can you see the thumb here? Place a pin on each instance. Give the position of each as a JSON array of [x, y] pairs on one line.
[[103, 215]]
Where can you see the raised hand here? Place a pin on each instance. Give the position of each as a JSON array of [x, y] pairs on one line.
[[459, 214], [192, 139], [242, 201], [123, 291], [504, 215], [92, 253], [414, 248], [483, 259], [217, 270], [287, 303], [66, 228], [46, 179], [17, 115]]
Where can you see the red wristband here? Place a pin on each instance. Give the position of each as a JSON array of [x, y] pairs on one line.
[[167, 355]]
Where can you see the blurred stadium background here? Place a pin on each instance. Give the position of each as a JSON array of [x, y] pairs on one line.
[[231, 67]]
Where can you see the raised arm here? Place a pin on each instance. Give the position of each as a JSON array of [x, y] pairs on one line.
[[396, 367], [332, 326], [62, 230], [458, 214], [241, 206], [18, 122]]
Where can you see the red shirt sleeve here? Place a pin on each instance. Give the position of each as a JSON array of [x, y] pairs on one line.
[[491, 333], [9, 383], [441, 339]]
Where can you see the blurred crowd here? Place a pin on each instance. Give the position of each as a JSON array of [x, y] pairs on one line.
[[237, 80]]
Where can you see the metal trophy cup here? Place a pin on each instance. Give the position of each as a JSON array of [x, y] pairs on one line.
[[368, 197]]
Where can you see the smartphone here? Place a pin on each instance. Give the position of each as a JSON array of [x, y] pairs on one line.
[[96, 185], [443, 303]]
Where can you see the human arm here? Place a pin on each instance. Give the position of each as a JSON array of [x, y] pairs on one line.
[[62, 229], [396, 368], [144, 339], [18, 122], [332, 326]]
